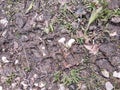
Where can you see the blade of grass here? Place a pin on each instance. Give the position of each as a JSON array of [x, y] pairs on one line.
[[51, 27], [30, 6], [94, 15]]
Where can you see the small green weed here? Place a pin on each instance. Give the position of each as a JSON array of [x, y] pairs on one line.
[[10, 78], [67, 79], [27, 69], [49, 29], [80, 41], [57, 76]]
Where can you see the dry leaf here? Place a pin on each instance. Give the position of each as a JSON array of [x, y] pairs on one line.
[[92, 48]]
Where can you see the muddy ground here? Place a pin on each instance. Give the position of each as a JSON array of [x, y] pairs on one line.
[[32, 58]]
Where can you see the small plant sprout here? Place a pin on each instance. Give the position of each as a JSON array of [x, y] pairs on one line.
[[62, 40], [70, 43]]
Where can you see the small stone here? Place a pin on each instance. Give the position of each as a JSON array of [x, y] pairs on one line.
[[62, 40], [15, 45], [105, 73], [115, 19], [4, 33], [13, 85], [72, 87], [112, 34], [108, 86], [1, 88], [83, 87], [35, 76], [43, 48], [80, 11], [24, 84], [70, 43], [34, 88], [4, 22], [43, 88], [40, 18], [16, 62], [42, 84], [92, 27], [61, 87], [75, 25], [17, 79], [24, 38], [3, 79], [116, 74], [36, 84], [4, 59]]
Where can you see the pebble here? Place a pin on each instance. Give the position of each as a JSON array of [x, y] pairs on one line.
[[40, 18], [83, 87], [108, 86], [61, 87], [116, 74], [112, 34], [42, 84], [4, 22], [3, 79], [36, 84], [70, 43], [24, 38], [35, 76], [1, 88], [4, 33], [115, 20], [24, 84], [105, 73], [43, 88], [80, 11], [13, 85], [4, 59], [62, 40], [72, 87], [16, 62]]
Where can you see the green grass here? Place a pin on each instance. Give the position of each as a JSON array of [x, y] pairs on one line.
[[67, 78], [10, 78]]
